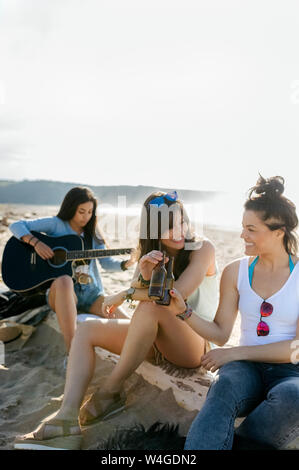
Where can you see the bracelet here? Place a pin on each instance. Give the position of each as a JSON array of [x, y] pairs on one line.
[[36, 243], [129, 294], [186, 313], [122, 265], [143, 281], [128, 297], [30, 239]]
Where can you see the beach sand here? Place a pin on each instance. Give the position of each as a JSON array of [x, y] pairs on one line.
[[33, 379]]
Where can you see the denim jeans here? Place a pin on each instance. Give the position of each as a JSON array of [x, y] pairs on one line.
[[267, 394]]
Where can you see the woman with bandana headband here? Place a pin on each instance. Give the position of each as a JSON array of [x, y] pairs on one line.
[[153, 331]]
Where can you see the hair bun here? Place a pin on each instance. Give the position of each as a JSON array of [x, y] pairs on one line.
[[271, 188]]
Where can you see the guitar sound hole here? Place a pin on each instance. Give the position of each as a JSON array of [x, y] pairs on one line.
[[59, 257]]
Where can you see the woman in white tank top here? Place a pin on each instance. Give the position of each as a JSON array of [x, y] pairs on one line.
[[260, 377]]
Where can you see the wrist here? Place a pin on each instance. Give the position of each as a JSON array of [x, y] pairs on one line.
[[128, 293], [143, 282], [129, 297], [35, 242], [123, 265], [186, 313], [122, 295], [30, 239]]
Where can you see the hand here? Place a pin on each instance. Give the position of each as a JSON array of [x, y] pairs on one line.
[[177, 303], [133, 259], [43, 250], [216, 358], [110, 303], [148, 262]]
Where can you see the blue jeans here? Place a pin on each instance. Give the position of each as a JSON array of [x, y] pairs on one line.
[[86, 295], [268, 394]]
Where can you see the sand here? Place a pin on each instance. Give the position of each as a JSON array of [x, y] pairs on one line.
[[33, 379]]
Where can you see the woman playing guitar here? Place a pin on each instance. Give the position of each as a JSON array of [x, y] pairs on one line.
[[77, 215]]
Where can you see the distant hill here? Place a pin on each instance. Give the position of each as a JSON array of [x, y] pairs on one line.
[[46, 192]]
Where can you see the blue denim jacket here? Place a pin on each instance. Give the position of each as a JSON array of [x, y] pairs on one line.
[[55, 227]]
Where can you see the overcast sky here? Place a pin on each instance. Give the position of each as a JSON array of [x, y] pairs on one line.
[[183, 94]]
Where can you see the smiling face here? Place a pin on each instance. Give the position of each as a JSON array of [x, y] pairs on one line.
[[174, 238], [257, 235]]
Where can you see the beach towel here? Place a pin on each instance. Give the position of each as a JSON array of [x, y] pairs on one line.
[[13, 304]]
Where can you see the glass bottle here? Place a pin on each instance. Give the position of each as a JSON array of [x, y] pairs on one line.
[[168, 284], [157, 282]]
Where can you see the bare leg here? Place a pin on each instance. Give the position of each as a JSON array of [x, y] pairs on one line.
[[152, 323], [110, 335], [63, 301]]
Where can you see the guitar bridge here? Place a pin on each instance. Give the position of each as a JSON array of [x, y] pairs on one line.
[[33, 258]]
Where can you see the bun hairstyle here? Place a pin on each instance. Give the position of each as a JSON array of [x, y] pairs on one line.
[[271, 188], [275, 210]]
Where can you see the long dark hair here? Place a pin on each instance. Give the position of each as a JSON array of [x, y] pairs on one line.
[[76, 196], [274, 209], [148, 243]]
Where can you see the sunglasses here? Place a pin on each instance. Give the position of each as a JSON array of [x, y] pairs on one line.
[[266, 310], [160, 200]]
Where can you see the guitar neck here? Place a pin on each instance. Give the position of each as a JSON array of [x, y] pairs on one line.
[[92, 254]]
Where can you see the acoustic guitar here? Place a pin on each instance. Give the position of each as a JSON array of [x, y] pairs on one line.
[[24, 270]]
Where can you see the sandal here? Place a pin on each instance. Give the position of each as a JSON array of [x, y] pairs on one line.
[[65, 441], [105, 404]]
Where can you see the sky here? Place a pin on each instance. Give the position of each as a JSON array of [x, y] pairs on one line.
[[185, 94]]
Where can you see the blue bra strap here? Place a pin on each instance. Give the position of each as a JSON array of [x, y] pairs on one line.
[[251, 267], [291, 264]]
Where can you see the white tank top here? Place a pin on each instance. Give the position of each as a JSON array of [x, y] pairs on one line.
[[282, 322], [204, 300]]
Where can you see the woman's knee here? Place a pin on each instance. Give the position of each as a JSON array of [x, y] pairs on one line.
[[84, 328], [83, 332], [63, 282], [146, 308], [61, 285], [91, 332], [286, 393]]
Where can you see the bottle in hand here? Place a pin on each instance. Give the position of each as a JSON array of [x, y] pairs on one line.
[[168, 284], [158, 280]]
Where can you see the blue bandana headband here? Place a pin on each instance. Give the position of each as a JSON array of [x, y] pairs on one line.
[[160, 200]]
